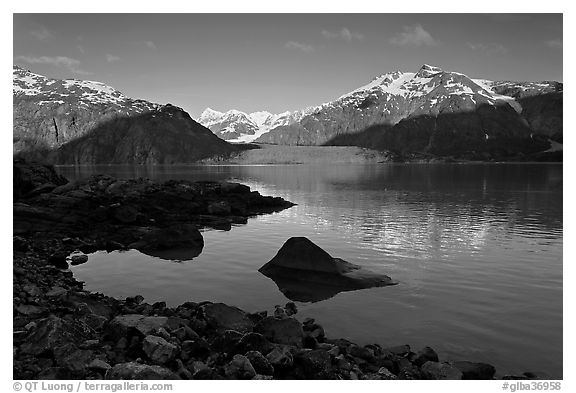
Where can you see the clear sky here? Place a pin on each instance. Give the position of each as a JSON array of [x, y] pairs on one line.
[[279, 62]]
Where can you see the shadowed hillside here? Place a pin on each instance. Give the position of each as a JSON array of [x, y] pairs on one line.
[[166, 136], [487, 133]]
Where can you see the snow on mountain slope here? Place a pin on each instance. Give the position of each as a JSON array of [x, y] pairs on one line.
[[86, 122], [45, 91], [387, 99], [237, 126]]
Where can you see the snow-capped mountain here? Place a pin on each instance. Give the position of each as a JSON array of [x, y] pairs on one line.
[[46, 91], [491, 108], [76, 121], [237, 126]]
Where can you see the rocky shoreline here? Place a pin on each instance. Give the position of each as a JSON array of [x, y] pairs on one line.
[[62, 331]]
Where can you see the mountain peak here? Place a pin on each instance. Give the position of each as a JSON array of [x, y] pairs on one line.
[[426, 71], [210, 111]]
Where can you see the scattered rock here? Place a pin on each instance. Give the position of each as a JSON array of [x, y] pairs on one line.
[[78, 259], [99, 365], [262, 377], [260, 363], [435, 370], [220, 208], [121, 325], [29, 310], [234, 188], [286, 331], [399, 350], [159, 350], [426, 354], [180, 334], [225, 317], [386, 374], [182, 371], [361, 353], [239, 368], [134, 371], [198, 348], [254, 342], [280, 357], [315, 361], [58, 260], [56, 292], [471, 370], [205, 373], [196, 365], [309, 342], [72, 358], [227, 342], [125, 214], [52, 373], [135, 299], [54, 332], [291, 309], [279, 312]]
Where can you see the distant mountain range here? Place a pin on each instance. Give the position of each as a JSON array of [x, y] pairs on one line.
[[236, 126], [430, 111], [85, 122]]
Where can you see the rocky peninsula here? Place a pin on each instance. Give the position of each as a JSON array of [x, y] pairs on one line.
[[63, 331]]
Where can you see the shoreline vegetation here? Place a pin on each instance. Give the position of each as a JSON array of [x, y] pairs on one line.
[[62, 331]]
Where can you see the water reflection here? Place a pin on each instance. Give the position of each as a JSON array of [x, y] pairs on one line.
[[315, 289], [424, 211], [477, 250], [175, 254]]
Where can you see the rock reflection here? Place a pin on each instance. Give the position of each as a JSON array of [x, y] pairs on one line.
[[305, 272], [175, 255]]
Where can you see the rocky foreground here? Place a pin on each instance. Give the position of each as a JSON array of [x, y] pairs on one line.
[[62, 331]]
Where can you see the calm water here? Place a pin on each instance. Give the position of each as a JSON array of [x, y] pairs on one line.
[[477, 250]]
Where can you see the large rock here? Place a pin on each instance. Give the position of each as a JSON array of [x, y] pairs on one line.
[[53, 332], [158, 349], [254, 342], [240, 368], [472, 370], [123, 325], [71, 357], [225, 317], [132, 370], [220, 208], [260, 363], [435, 370], [305, 272], [315, 362], [426, 354], [286, 331], [197, 348], [31, 176], [183, 240], [281, 357]]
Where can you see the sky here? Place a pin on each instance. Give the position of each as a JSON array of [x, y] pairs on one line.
[[279, 62]]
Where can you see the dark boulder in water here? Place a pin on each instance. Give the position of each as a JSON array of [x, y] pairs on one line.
[[177, 242], [300, 263]]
